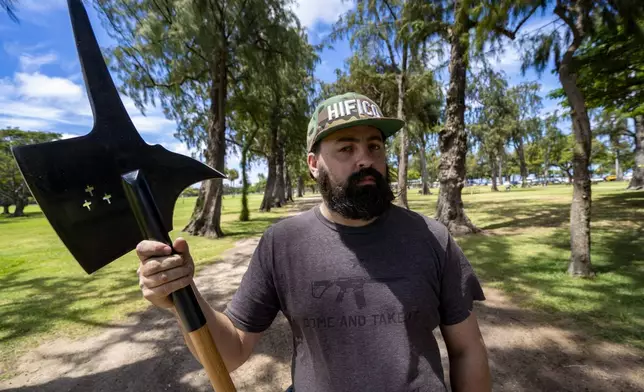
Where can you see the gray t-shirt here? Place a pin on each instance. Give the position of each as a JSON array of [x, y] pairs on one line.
[[362, 302]]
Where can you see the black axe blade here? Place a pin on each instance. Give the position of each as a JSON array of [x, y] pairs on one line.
[[77, 182]]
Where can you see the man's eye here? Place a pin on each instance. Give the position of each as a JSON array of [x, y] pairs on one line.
[[376, 147], [346, 149]]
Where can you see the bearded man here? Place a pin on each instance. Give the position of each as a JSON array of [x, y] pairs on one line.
[[362, 282]]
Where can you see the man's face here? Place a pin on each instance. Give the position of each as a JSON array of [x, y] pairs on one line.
[[351, 170]]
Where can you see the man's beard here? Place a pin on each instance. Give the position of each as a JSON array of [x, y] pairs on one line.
[[353, 201]]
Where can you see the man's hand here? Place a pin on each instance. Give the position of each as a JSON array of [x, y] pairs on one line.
[[161, 273]]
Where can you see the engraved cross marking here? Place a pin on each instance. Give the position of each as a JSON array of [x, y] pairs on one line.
[[87, 205], [90, 190], [107, 198]]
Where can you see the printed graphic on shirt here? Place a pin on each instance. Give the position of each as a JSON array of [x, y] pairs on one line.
[[341, 289], [355, 284]]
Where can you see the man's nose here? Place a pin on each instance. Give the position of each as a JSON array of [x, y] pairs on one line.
[[365, 159]]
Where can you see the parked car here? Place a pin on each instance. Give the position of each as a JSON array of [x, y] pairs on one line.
[[595, 180], [612, 177]]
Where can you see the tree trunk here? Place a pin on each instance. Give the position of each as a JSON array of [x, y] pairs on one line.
[[267, 201], [20, 207], [206, 217], [518, 143], [244, 215], [618, 171], [494, 169], [289, 185], [637, 182], [546, 162], [300, 186], [500, 169], [452, 138], [278, 191], [423, 164], [6, 208], [580, 264], [404, 144]]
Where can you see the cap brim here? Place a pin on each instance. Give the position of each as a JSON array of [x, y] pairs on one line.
[[387, 125]]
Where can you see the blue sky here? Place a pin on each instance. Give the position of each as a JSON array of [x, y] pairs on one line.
[[41, 85]]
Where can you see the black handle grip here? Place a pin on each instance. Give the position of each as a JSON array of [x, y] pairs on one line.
[[149, 220]]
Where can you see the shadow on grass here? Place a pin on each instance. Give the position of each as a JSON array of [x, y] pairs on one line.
[[28, 215], [44, 302], [531, 266], [150, 353]]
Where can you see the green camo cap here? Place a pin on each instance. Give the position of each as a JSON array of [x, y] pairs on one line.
[[347, 110]]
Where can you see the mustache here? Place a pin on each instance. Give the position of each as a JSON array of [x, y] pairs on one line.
[[363, 173]]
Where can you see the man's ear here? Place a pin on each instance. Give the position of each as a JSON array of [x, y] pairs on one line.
[[313, 161]]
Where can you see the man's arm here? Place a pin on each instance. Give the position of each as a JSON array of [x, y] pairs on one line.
[[234, 345], [469, 369]]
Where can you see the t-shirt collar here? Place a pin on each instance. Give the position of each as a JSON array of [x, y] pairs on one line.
[[369, 228]]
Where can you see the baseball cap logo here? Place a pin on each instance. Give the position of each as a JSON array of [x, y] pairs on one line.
[[350, 108]]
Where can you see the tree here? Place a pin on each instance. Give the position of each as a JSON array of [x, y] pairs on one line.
[[526, 106], [451, 21], [580, 20], [610, 73], [233, 175], [492, 118], [9, 6], [638, 168], [383, 31], [186, 55], [13, 189]]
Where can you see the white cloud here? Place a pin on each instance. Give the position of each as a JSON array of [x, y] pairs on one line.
[[152, 124], [327, 11], [41, 5], [37, 85], [31, 63], [31, 124], [178, 147], [68, 135]]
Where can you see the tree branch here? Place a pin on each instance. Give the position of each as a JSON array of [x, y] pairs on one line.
[[389, 47], [513, 34], [391, 11], [229, 140]]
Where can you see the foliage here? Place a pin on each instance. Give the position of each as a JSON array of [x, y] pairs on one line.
[[13, 189]]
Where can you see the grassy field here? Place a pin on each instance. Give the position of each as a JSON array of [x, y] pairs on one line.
[[45, 293], [526, 246], [524, 251]]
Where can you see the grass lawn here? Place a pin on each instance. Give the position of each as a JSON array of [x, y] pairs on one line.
[[45, 293], [524, 251], [526, 247]]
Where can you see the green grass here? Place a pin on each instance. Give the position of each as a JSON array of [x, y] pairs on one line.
[[526, 248], [45, 293]]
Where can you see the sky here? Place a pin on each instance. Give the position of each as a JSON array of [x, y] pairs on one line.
[[42, 88]]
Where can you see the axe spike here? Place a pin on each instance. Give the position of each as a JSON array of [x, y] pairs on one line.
[[102, 93]]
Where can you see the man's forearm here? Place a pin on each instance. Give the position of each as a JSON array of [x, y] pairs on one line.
[[223, 332], [470, 371]]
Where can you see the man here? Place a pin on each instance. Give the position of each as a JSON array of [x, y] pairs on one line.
[[362, 282]]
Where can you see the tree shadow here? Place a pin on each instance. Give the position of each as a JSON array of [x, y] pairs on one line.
[[527, 353], [27, 315], [148, 353], [27, 215]]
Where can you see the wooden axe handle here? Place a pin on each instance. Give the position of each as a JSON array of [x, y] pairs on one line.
[[185, 302]]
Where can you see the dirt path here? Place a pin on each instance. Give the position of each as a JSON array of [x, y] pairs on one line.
[[148, 353]]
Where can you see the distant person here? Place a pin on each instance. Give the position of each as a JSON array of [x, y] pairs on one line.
[[362, 282]]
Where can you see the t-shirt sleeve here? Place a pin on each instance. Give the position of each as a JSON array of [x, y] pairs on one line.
[[255, 304], [459, 286]]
